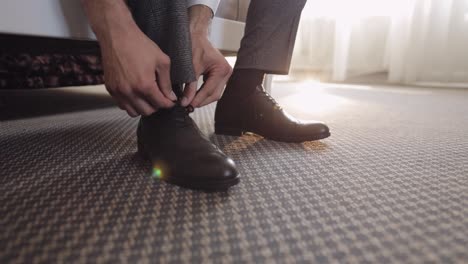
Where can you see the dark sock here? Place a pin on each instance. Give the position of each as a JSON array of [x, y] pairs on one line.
[[243, 82]]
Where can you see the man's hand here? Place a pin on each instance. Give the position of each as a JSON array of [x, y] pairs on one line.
[[137, 72], [207, 61]]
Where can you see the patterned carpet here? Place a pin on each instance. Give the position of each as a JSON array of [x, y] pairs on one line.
[[390, 185]]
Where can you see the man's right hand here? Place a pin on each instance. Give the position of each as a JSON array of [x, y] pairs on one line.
[[137, 72]]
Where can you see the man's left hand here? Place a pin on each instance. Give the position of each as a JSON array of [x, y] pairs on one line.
[[210, 63], [207, 61]]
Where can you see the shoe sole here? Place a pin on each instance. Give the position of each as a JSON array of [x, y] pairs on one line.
[[214, 186], [220, 130], [207, 186]]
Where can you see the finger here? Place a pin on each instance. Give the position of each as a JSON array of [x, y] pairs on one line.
[[119, 102], [122, 103], [142, 106], [216, 95], [136, 101], [130, 110], [163, 79], [156, 98], [206, 90], [210, 99], [211, 90], [189, 93]]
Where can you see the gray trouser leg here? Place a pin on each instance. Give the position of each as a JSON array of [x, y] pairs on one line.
[[166, 23], [269, 37]]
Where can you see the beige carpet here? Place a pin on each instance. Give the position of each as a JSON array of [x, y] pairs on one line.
[[390, 185]]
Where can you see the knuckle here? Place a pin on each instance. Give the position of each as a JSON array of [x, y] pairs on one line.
[[141, 80], [144, 88], [143, 85], [125, 91], [165, 61], [226, 69]]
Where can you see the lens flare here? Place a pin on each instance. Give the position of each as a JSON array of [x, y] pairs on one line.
[[157, 173], [160, 170]]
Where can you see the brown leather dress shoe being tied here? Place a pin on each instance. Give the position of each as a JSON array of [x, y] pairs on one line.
[[259, 113], [181, 154]]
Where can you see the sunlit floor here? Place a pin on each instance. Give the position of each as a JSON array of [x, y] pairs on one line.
[[389, 185], [311, 98]]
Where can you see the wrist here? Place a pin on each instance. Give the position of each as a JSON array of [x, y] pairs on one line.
[[200, 17], [109, 18]]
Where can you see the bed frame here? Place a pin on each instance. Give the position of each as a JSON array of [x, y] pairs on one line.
[[65, 19]]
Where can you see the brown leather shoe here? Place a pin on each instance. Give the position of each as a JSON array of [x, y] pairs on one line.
[[181, 154], [259, 113]]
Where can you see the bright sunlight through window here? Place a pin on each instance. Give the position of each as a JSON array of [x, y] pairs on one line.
[[354, 9]]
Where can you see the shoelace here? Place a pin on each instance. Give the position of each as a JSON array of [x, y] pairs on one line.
[[270, 99], [182, 115], [189, 109]]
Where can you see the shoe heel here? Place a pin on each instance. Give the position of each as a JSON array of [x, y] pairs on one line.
[[221, 130]]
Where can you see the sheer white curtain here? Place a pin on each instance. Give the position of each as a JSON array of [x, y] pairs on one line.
[[414, 41]]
